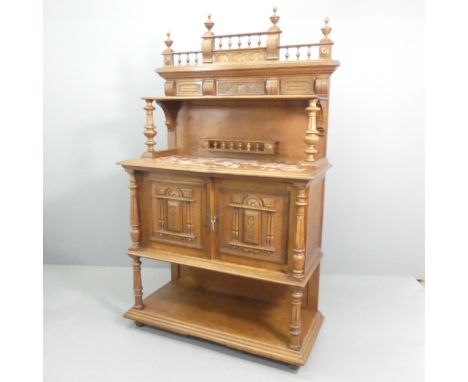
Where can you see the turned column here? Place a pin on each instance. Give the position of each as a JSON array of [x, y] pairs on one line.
[[295, 324], [135, 234], [312, 137], [137, 285], [299, 239], [135, 231], [150, 131]]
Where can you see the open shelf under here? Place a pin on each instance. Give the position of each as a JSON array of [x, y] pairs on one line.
[[254, 326], [245, 167]]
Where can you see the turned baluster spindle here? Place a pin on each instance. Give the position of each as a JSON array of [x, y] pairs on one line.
[[286, 55], [248, 41], [137, 284], [298, 52], [308, 52], [196, 58], [259, 42], [312, 137], [220, 42], [295, 323], [239, 42], [150, 131], [299, 240]]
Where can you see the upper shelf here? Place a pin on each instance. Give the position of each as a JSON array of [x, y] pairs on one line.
[[245, 98]]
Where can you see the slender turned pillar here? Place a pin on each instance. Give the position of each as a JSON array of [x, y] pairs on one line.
[[150, 131], [135, 232], [295, 324], [137, 285], [299, 243], [312, 137]]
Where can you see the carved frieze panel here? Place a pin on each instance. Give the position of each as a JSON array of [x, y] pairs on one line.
[[297, 86], [240, 87], [189, 88], [241, 55]]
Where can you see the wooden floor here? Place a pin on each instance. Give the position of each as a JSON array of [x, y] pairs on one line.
[[254, 326]]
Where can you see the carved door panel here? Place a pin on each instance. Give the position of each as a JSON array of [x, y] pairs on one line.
[[253, 222], [177, 213]]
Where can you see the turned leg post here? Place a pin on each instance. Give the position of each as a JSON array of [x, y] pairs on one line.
[[312, 136], [298, 255], [150, 131], [295, 324], [137, 285]]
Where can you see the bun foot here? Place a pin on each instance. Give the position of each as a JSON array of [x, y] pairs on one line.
[[139, 324], [294, 367]]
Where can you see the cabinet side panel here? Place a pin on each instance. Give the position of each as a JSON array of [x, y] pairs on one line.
[[314, 219]]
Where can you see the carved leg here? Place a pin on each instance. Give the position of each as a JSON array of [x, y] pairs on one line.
[[295, 325], [137, 286]]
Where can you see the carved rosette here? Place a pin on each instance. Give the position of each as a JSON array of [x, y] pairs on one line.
[[312, 135], [299, 243]]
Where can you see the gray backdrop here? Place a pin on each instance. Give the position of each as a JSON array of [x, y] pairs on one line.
[[100, 58]]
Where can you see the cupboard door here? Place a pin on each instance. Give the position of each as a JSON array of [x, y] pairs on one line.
[[253, 222], [177, 208]]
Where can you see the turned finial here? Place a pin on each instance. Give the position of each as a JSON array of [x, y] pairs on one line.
[[326, 29], [168, 40], [208, 23], [274, 18]]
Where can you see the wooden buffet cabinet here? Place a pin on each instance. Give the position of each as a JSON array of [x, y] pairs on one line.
[[236, 202]]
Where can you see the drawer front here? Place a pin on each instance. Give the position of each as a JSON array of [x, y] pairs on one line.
[[253, 222], [176, 208]]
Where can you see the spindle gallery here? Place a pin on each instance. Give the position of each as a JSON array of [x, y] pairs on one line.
[[235, 203]]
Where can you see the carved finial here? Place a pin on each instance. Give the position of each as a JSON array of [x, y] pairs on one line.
[[274, 18], [168, 40], [326, 29], [208, 23]]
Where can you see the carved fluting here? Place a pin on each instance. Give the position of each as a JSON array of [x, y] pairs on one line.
[[135, 232], [295, 324], [299, 243], [312, 137], [150, 131], [137, 285]]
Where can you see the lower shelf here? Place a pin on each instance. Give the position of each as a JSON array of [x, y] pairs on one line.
[[245, 324]]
